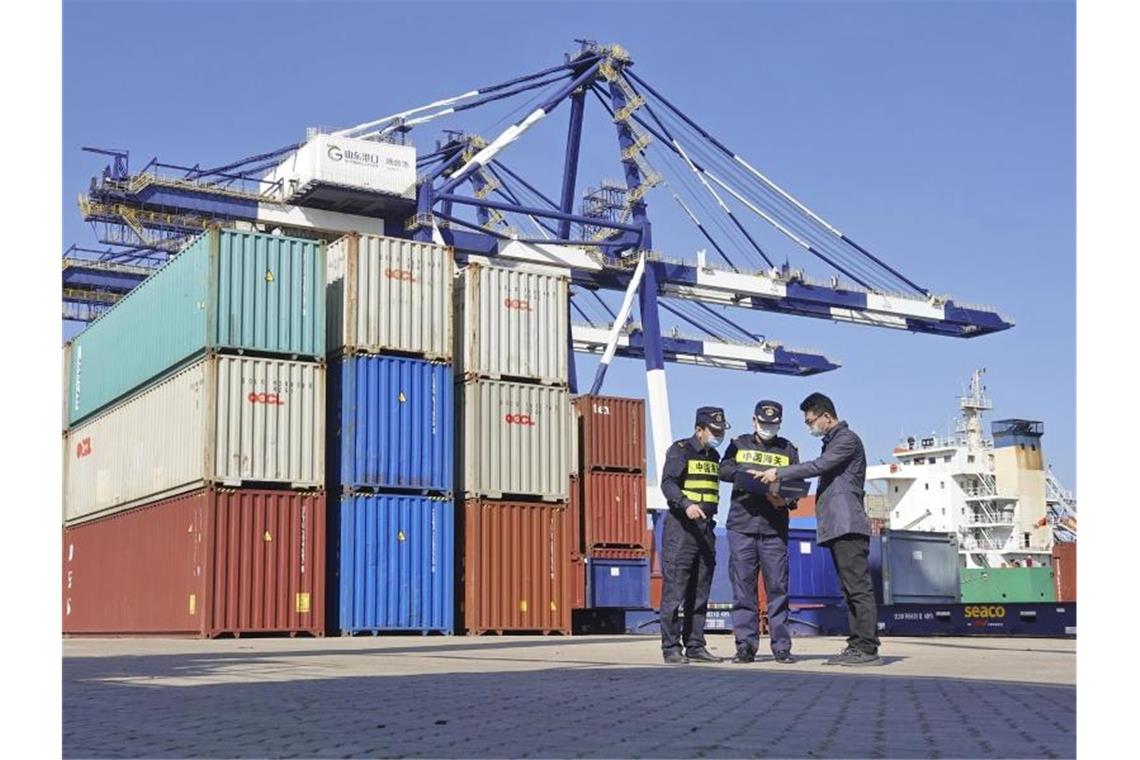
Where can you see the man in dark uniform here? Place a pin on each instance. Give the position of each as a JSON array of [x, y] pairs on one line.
[[758, 533], [688, 546], [843, 524]]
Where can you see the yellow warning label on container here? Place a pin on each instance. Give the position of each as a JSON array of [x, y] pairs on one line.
[[522, 605], [302, 602], [400, 536], [193, 603], [267, 536], [403, 398], [269, 275], [553, 607]]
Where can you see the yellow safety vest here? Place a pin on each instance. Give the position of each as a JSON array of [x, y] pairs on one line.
[[701, 484]]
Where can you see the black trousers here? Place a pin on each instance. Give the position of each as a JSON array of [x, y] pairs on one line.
[[849, 553], [688, 558]]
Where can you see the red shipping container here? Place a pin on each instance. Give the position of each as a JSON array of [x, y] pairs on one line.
[[656, 583], [578, 583], [574, 517], [1065, 571], [618, 552], [611, 433], [516, 567], [805, 507], [613, 509], [208, 563]]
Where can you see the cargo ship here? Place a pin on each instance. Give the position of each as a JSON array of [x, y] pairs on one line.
[[996, 494]]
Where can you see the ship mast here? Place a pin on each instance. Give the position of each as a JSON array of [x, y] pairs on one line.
[[972, 405]]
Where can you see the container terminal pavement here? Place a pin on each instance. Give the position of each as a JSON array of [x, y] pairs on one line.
[[581, 696]]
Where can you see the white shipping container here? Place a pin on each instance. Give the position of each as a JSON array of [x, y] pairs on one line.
[[515, 440], [388, 294], [347, 162], [512, 322], [224, 419]]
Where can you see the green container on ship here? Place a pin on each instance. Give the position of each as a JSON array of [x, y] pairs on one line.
[[1007, 584], [226, 291]]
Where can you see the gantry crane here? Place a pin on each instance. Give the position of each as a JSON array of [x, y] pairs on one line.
[[463, 194]]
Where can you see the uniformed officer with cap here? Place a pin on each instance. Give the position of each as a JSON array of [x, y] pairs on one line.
[[758, 532], [688, 546]]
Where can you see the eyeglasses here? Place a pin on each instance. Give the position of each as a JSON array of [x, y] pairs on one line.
[[811, 422]]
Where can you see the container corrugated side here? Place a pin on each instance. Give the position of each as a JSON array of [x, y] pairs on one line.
[[617, 582], [225, 290], [208, 563], [512, 323], [391, 422], [516, 567], [515, 440], [1065, 571], [389, 294], [395, 564], [812, 578], [612, 431], [224, 419], [613, 509]]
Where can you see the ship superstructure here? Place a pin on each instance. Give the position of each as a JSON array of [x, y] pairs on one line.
[[996, 493]]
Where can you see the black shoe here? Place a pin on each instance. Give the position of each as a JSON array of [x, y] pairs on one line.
[[859, 657], [744, 654], [702, 655], [840, 658], [784, 658], [675, 658]]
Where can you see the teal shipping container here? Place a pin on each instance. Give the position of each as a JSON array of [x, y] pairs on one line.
[[226, 290]]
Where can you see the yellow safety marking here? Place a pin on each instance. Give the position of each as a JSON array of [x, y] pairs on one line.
[[400, 536], [763, 457], [703, 467], [522, 605], [193, 603], [267, 537], [303, 602], [269, 275]]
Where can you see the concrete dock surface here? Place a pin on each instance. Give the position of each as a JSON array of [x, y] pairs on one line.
[[544, 697]]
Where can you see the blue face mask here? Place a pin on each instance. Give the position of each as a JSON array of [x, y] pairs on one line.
[[715, 442]]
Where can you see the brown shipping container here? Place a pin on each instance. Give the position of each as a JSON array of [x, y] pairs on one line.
[[207, 563], [805, 507], [618, 552], [516, 567], [612, 433], [613, 509], [1065, 571], [578, 583], [574, 517]]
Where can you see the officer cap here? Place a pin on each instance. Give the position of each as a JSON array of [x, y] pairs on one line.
[[712, 417], [769, 411]]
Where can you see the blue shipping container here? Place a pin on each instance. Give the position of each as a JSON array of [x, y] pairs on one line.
[[225, 290], [617, 582], [391, 422], [395, 564]]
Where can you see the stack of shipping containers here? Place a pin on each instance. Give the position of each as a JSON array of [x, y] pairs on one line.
[[611, 503], [515, 442], [193, 470], [391, 417]]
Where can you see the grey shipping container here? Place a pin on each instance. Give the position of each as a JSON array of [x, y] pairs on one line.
[[512, 322], [915, 567], [388, 294], [515, 440], [226, 420]]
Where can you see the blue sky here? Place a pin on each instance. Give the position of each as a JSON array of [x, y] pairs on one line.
[[939, 136]]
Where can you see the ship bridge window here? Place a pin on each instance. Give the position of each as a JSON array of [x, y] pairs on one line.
[[920, 460], [947, 458], [969, 457]]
